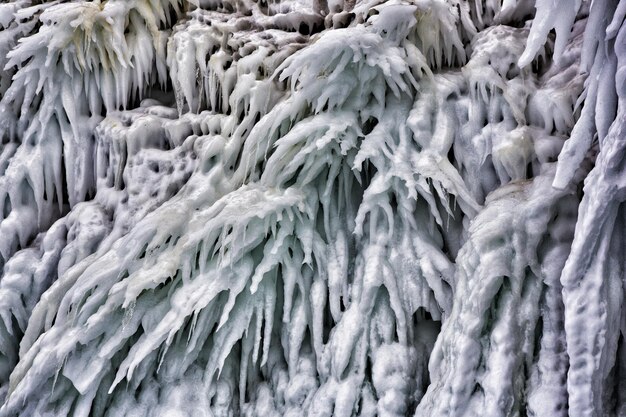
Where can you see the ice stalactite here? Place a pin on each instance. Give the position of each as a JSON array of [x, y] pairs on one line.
[[593, 284], [74, 61], [325, 208]]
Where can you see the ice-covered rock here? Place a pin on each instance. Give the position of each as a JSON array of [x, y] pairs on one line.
[[324, 208]]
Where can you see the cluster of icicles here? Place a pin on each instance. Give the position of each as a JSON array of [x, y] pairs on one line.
[[334, 208]]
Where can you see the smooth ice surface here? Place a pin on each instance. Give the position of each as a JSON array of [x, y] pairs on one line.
[[321, 208]]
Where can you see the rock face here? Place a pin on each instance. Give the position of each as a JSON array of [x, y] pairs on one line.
[[326, 208]]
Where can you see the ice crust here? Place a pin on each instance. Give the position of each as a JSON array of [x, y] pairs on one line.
[[326, 208]]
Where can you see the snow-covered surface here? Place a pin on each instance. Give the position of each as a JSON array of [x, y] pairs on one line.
[[322, 208]]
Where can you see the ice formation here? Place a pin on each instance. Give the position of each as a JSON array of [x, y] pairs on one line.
[[325, 208]]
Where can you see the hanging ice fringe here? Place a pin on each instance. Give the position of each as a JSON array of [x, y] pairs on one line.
[[325, 208]]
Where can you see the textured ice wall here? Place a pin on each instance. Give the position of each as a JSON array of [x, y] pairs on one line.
[[326, 208]]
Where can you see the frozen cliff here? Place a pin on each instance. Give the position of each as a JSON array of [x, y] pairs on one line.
[[313, 208]]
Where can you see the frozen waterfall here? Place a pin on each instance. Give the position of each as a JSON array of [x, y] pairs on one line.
[[313, 208]]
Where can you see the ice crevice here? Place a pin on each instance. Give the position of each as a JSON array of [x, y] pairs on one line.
[[327, 208]]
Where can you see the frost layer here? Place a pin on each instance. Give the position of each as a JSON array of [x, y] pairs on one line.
[[220, 207]]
